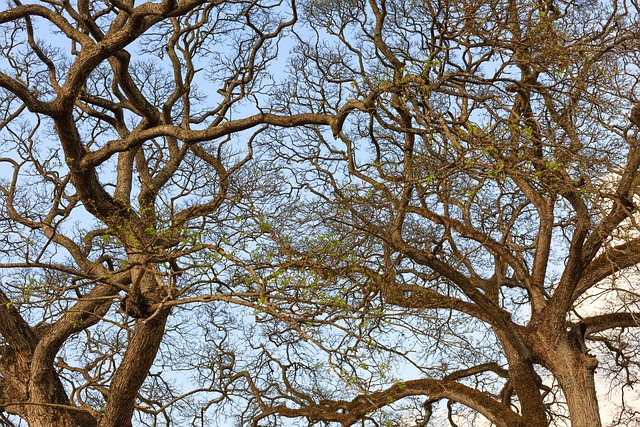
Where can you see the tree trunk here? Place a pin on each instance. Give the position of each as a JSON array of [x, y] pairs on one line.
[[29, 386], [39, 398], [574, 369], [576, 378], [524, 380], [47, 416], [141, 352]]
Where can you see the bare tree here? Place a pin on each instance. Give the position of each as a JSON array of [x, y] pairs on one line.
[[478, 194], [412, 211], [126, 130]]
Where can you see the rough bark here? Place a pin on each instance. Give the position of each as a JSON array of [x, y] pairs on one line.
[[30, 388], [138, 358], [575, 373], [578, 384], [574, 369]]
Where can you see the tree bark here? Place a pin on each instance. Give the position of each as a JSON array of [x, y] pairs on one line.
[[575, 375], [141, 352], [29, 386], [48, 416], [574, 369], [524, 380]]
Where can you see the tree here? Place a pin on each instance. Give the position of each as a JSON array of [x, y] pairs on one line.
[[483, 178], [431, 189], [120, 186]]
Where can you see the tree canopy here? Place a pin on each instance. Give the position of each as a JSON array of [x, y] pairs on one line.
[[319, 212]]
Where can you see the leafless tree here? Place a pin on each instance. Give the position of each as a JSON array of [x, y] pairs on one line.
[[126, 132], [330, 212], [474, 201]]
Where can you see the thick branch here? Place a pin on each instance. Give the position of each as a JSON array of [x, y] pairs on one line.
[[189, 136], [612, 320], [138, 358], [14, 329], [608, 263], [349, 412]]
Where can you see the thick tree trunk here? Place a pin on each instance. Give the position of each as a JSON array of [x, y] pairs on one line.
[[575, 375], [525, 381], [574, 369], [532, 406], [141, 352], [47, 416], [37, 395], [30, 387]]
